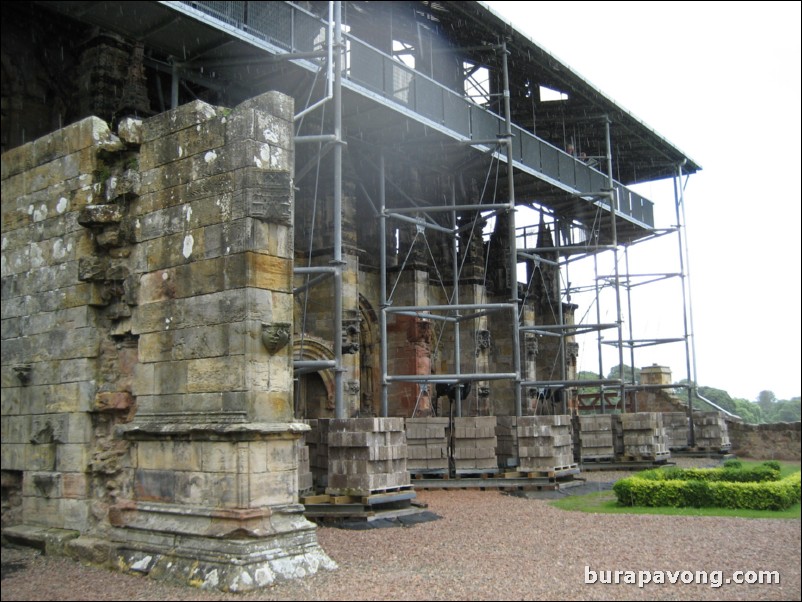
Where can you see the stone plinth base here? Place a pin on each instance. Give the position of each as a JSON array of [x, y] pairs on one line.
[[274, 546], [215, 506]]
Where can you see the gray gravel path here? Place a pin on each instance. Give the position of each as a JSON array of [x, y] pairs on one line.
[[487, 546]]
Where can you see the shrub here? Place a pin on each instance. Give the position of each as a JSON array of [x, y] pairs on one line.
[[764, 492], [733, 464]]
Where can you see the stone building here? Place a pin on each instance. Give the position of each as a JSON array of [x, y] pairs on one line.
[[222, 218]]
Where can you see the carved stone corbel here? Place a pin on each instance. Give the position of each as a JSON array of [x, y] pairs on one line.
[[275, 336]]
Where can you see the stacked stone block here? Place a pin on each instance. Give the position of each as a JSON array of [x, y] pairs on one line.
[[710, 431], [596, 437], [644, 436], [677, 430], [317, 440], [366, 456], [535, 442], [618, 436], [427, 444], [507, 441], [305, 479], [473, 441]]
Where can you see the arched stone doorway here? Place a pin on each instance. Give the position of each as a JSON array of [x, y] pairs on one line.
[[314, 391]]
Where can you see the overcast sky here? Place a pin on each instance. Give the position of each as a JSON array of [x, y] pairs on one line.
[[721, 81]]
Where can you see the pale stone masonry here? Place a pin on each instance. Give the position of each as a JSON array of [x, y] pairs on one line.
[[535, 443], [147, 352]]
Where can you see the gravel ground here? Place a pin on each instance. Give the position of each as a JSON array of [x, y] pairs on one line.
[[487, 545]]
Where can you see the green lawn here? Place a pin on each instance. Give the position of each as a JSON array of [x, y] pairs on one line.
[[605, 502]]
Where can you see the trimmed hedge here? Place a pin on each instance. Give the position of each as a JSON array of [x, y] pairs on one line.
[[699, 488], [756, 474]]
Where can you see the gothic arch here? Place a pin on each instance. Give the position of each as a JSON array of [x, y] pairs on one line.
[[315, 349]]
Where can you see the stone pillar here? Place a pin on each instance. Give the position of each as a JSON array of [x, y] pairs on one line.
[[213, 453]]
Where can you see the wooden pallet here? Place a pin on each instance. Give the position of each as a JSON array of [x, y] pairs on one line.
[[337, 491], [557, 472], [600, 459], [369, 507], [476, 473], [656, 458], [428, 473]]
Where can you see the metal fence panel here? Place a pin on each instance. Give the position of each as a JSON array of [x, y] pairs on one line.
[[583, 175], [598, 181], [567, 166], [271, 21], [456, 113], [530, 151], [429, 99], [549, 160], [366, 67], [484, 125], [398, 81], [229, 12]]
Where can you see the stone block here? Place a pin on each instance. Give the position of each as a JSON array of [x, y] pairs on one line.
[[16, 429], [75, 485], [129, 129], [185, 116], [218, 457], [271, 103], [267, 272], [154, 485], [186, 455], [12, 456], [207, 489], [72, 457], [255, 124], [17, 160], [170, 377], [282, 455], [154, 455], [44, 512], [144, 383], [214, 374], [262, 155], [273, 488], [67, 397]]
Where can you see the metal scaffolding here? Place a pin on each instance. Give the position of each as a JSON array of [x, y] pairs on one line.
[[568, 190]]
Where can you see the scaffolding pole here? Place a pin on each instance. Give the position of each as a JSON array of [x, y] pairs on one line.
[[614, 234], [679, 204], [337, 260], [383, 285], [513, 259]]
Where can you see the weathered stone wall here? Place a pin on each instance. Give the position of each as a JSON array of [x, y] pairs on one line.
[[58, 353], [147, 344], [780, 441]]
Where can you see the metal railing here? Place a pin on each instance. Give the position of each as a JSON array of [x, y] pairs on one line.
[[292, 29]]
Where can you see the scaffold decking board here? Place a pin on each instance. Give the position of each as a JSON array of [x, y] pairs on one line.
[[316, 499], [388, 498]]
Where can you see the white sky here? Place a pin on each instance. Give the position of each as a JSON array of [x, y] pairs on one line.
[[721, 81]]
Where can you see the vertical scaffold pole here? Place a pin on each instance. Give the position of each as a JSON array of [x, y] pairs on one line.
[[513, 259], [337, 260]]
